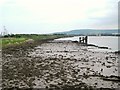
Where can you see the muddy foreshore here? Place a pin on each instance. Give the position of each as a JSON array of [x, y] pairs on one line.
[[58, 66]]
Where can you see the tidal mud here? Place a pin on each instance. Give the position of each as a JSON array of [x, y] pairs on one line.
[[60, 66]]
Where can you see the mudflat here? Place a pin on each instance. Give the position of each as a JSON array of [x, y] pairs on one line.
[[59, 65]]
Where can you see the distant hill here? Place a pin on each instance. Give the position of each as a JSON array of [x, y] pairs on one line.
[[89, 32]]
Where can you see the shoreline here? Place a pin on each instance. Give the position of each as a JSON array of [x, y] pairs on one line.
[[59, 65], [91, 45], [101, 42]]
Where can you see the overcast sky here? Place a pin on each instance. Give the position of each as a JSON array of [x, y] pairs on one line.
[[47, 16]]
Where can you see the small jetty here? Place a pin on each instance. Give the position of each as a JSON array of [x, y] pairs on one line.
[[83, 40]]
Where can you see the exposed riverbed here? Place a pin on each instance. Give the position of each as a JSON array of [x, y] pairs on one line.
[[60, 65]]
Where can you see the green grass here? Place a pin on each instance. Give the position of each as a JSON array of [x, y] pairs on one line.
[[41, 37], [21, 38], [12, 41]]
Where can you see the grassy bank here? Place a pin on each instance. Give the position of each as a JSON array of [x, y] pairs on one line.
[[22, 38], [12, 41]]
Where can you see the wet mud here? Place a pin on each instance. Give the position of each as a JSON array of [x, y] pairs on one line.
[[59, 66]]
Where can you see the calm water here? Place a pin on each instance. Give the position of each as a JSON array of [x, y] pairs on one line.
[[105, 41]]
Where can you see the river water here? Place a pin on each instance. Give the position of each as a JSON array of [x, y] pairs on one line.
[[112, 42]]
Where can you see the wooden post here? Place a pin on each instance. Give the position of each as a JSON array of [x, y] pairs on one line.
[[86, 40], [80, 39]]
